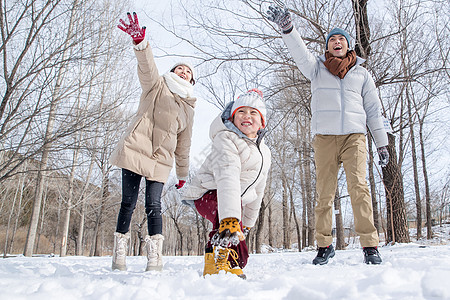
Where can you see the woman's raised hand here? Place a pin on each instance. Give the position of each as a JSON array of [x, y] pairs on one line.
[[133, 29]]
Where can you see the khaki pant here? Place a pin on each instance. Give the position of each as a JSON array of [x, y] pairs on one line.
[[330, 151]]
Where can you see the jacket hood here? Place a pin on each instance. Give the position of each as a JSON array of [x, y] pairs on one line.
[[223, 123]]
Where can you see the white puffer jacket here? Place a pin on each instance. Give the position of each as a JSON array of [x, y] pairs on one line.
[[237, 168], [339, 106]]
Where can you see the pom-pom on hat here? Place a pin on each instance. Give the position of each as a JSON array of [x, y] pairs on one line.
[[254, 99], [187, 64], [338, 31]]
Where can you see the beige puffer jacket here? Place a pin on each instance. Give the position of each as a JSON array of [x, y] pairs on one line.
[[237, 168], [160, 131]]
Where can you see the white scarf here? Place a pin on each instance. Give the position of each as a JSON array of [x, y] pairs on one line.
[[178, 85]]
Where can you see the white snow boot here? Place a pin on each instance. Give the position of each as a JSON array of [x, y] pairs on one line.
[[154, 245], [120, 251]]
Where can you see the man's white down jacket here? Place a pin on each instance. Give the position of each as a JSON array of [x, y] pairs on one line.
[[338, 106]]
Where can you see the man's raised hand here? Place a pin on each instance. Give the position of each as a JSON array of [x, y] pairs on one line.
[[281, 17]]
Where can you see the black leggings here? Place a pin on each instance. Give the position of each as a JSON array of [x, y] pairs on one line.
[[130, 191]]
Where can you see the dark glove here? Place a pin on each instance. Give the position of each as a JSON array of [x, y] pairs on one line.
[[229, 233], [134, 30], [280, 17], [180, 184], [383, 154]]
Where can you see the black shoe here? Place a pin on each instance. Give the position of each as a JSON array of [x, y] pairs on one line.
[[323, 255], [371, 255]]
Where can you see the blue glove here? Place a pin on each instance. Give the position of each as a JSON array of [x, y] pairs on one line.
[[280, 17], [383, 154]]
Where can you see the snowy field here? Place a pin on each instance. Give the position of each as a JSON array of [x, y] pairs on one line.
[[418, 270]]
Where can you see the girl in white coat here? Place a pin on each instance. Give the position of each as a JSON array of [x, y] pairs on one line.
[[229, 186]]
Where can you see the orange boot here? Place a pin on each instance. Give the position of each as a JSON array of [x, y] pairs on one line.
[[222, 263], [210, 264]]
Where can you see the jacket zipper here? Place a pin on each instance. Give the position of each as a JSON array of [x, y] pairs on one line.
[[342, 107], [259, 173]]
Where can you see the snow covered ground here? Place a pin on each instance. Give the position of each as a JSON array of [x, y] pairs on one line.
[[419, 270]]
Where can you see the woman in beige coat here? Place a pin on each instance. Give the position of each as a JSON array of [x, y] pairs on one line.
[[159, 134]]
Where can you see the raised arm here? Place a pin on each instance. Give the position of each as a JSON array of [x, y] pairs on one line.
[[306, 62], [147, 70]]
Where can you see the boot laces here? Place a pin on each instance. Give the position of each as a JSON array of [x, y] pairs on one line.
[[221, 257], [234, 255]]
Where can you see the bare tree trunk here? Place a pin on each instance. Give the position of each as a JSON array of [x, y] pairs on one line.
[[395, 204], [304, 224], [427, 185], [269, 224], [19, 210], [205, 230], [140, 240], [362, 47], [79, 249], [297, 223], [56, 96], [415, 171], [99, 228], [304, 195], [42, 219], [285, 204], [32, 230], [376, 217], [180, 234], [68, 208], [413, 148], [200, 244], [340, 238], [260, 227], [17, 195], [311, 199]]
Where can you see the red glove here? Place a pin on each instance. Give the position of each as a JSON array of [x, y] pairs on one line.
[[180, 184], [134, 30]]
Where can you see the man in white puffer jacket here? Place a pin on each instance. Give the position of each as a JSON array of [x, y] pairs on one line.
[[344, 102], [229, 186]]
